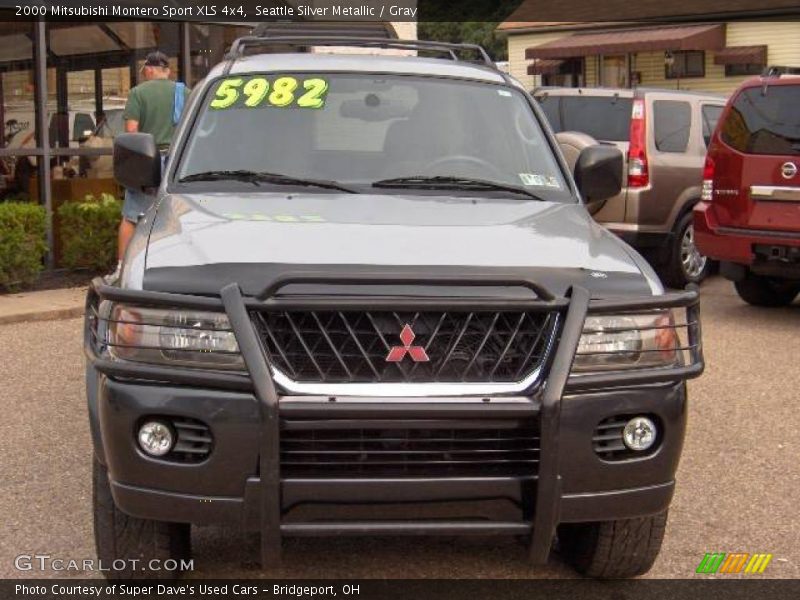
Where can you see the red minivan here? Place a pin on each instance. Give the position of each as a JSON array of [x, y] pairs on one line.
[[749, 216]]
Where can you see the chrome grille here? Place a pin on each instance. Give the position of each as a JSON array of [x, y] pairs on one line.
[[353, 346]]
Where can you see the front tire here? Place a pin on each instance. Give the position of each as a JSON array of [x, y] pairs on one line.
[[121, 536], [686, 264], [765, 291], [613, 549]]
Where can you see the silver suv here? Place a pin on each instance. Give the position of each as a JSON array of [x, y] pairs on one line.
[[663, 135], [370, 300]]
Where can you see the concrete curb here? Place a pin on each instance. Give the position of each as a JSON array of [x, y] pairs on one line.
[[45, 305], [43, 315]]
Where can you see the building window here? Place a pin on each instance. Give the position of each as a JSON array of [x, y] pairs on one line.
[[570, 74], [744, 69], [614, 71], [683, 64]]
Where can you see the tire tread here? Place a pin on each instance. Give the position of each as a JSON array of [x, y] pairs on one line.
[[761, 291], [614, 549], [121, 536], [672, 272]]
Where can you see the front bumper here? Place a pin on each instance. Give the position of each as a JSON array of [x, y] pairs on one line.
[[241, 482], [226, 487]]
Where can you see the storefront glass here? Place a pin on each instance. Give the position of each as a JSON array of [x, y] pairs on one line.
[[90, 70], [16, 101]]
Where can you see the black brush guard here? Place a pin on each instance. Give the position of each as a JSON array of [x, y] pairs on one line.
[[545, 406]]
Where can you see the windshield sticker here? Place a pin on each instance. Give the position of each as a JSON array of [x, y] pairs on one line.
[[505, 93], [536, 180], [552, 182], [281, 92], [531, 179]]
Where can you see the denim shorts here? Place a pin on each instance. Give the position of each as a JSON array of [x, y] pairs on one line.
[[136, 204]]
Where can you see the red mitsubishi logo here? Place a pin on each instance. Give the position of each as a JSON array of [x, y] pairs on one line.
[[398, 353]]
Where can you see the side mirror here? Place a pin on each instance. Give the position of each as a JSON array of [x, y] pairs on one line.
[[598, 175], [137, 161], [572, 143]]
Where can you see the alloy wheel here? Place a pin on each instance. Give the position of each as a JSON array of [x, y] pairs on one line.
[[693, 262]]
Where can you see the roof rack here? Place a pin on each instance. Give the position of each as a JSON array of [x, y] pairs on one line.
[[240, 45], [777, 71]]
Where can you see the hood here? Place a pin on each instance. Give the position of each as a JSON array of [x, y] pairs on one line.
[[200, 242]]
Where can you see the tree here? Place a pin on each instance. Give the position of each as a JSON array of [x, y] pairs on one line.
[[467, 32]]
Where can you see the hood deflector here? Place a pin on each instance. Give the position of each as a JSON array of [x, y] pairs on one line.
[[264, 280]]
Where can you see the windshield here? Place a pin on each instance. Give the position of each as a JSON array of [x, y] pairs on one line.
[[606, 118], [361, 129]]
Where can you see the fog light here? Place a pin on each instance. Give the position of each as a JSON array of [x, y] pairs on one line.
[[155, 438], [639, 433]]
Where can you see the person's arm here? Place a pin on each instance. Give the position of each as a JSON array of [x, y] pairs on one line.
[[132, 112]]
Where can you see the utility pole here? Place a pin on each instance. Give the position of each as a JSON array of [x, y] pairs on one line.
[[43, 133]]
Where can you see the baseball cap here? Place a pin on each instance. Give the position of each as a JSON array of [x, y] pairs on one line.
[[156, 59]]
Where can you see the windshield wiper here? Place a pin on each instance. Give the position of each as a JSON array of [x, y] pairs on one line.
[[257, 177], [452, 182]]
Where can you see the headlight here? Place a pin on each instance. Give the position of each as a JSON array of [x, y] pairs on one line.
[[181, 338], [612, 342]]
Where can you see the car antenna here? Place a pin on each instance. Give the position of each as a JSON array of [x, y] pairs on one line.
[[765, 75]]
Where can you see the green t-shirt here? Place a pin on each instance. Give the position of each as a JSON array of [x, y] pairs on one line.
[[151, 103]]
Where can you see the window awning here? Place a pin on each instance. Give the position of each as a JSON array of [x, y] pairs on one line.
[[544, 66], [741, 55], [689, 37]]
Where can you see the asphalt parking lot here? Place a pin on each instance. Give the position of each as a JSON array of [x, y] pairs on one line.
[[738, 483]]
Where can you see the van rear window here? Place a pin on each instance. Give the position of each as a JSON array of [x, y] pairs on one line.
[[605, 118], [760, 123]]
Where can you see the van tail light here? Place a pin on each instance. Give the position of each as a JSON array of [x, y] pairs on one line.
[[708, 180], [638, 175]]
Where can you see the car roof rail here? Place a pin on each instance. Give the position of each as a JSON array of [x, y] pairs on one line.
[[241, 44], [777, 71]]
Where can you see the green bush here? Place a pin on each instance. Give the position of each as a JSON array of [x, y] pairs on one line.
[[22, 244], [89, 232]]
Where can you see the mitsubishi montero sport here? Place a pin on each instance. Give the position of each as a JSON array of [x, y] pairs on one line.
[[370, 300]]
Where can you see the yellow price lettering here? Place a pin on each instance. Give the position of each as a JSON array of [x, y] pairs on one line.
[[283, 91], [227, 93], [255, 90], [314, 96]]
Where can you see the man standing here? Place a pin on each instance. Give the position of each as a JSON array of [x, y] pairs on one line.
[[151, 108]]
